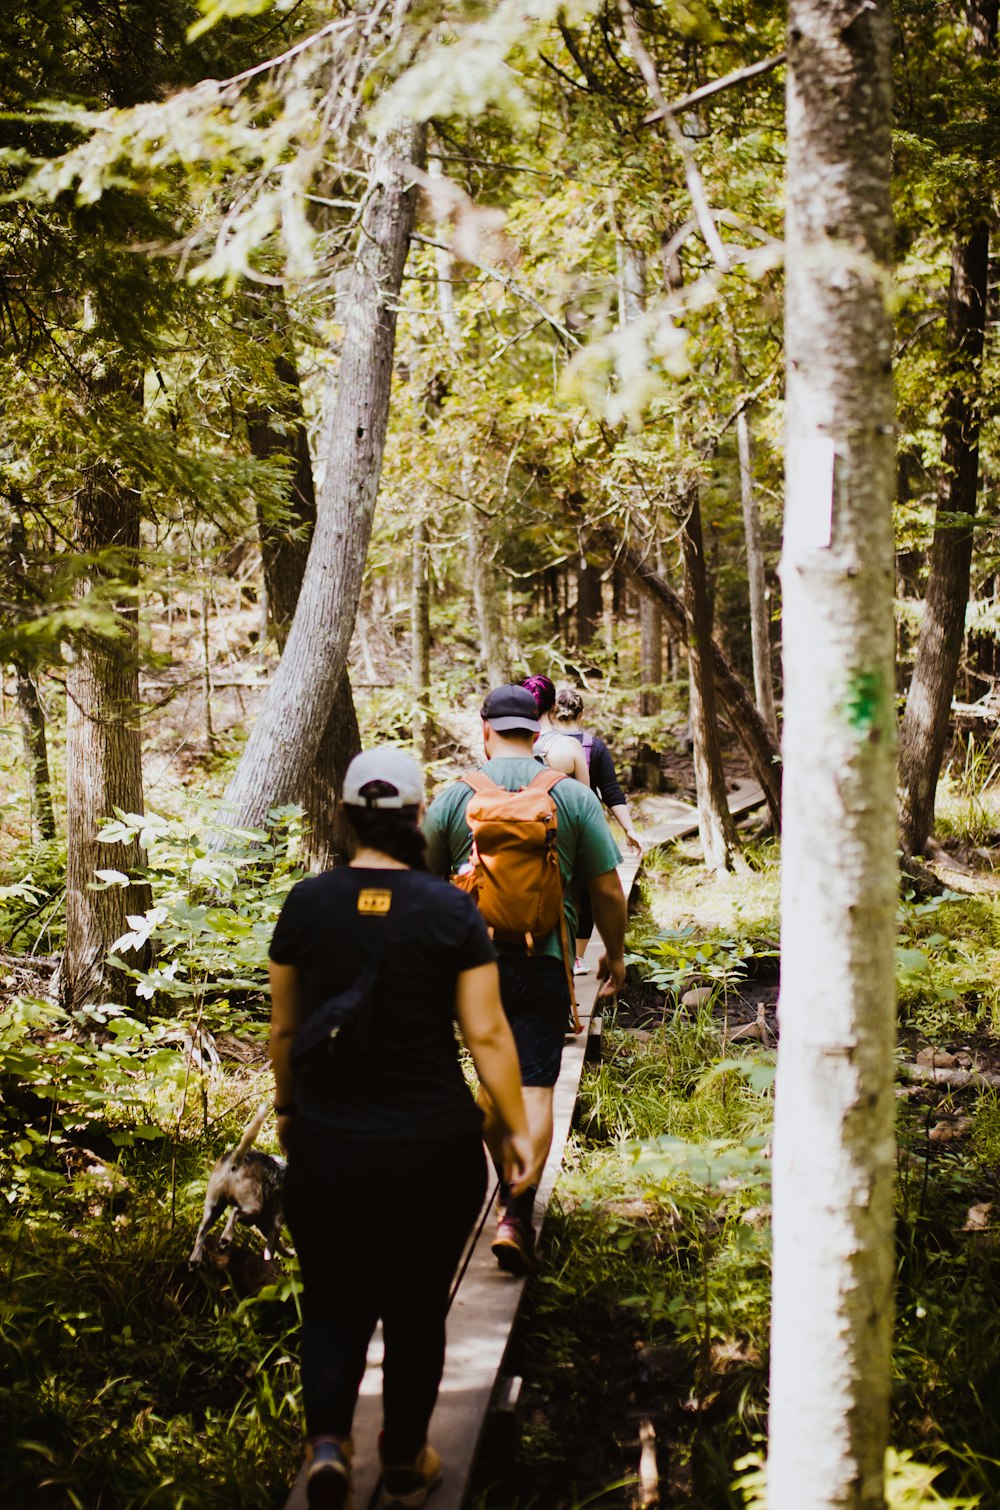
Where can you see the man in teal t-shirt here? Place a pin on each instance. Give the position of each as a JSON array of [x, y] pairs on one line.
[[534, 987]]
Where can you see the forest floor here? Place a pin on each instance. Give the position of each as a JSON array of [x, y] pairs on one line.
[[127, 1380]]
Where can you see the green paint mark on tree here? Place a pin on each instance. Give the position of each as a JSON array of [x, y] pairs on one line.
[[864, 701]]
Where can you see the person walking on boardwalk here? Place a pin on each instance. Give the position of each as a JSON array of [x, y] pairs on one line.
[[558, 752], [604, 782], [387, 1140], [534, 982]]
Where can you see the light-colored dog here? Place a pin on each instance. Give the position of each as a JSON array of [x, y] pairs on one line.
[[250, 1182]]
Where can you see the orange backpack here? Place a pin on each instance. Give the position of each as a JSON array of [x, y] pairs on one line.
[[513, 872]]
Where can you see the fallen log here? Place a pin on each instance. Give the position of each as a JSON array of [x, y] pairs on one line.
[[957, 1079]]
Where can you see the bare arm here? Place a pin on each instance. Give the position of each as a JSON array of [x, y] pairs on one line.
[[611, 917], [567, 755], [490, 1042], [623, 818], [286, 1015]]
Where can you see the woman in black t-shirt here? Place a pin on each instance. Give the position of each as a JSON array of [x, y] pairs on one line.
[[604, 781], [386, 1177]]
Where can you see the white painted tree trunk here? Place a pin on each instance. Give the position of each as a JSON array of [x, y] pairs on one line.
[[282, 745], [833, 1147]]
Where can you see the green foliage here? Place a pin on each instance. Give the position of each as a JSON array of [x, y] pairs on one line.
[[676, 958], [214, 909]]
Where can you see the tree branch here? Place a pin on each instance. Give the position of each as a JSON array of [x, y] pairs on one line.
[[738, 76]]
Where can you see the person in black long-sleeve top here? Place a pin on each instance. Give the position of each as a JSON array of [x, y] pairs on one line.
[[604, 783]]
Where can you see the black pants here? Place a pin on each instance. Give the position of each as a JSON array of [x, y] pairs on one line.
[[379, 1229]]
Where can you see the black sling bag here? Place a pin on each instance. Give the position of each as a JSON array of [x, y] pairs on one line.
[[335, 1045]]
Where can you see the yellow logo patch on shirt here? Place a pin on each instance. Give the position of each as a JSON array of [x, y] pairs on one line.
[[373, 900]]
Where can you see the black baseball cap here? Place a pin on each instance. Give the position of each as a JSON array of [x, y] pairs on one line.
[[508, 708]]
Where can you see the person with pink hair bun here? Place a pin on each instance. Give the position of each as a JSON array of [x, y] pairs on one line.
[[559, 751]]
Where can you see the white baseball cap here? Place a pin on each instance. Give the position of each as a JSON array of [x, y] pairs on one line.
[[383, 777]]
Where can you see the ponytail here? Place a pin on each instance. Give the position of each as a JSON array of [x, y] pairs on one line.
[[395, 831]]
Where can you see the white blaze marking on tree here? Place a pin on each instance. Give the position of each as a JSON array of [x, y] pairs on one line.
[[811, 468]]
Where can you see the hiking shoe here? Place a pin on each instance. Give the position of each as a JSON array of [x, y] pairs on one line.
[[408, 1484], [580, 966], [514, 1246], [328, 1480]]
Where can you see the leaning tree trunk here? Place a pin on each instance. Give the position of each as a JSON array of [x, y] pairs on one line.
[[284, 553], [103, 752], [716, 827], [737, 704], [924, 730], [282, 747], [834, 1151]]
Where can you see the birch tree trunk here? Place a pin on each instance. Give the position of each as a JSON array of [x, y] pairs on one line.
[[834, 1153], [716, 826], [924, 730], [282, 747], [284, 553], [103, 752], [738, 705]]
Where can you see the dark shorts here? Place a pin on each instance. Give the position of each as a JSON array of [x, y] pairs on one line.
[[536, 1000]]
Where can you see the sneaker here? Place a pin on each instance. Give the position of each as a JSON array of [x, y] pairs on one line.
[[514, 1246], [328, 1481], [580, 966], [408, 1484]]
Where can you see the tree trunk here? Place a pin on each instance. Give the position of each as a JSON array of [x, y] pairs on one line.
[[420, 634], [29, 706], [36, 752], [650, 657], [760, 628], [834, 1151], [492, 647], [715, 822], [736, 701], [588, 603], [282, 747], [284, 552], [103, 751], [924, 729]]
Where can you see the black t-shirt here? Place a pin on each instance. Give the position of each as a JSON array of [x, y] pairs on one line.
[[426, 932]]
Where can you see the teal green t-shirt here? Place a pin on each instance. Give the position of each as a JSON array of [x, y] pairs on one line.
[[586, 848]]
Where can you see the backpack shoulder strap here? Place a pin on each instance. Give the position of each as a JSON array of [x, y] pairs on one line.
[[546, 780], [479, 781]]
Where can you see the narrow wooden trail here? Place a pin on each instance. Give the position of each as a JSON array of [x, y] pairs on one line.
[[485, 1302]]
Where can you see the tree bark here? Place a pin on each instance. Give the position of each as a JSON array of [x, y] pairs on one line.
[[420, 635], [834, 1152], [284, 552], [492, 647], [924, 730], [36, 753], [29, 706], [103, 751], [760, 628], [736, 701], [716, 827], [588, 603], [282, 747]]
